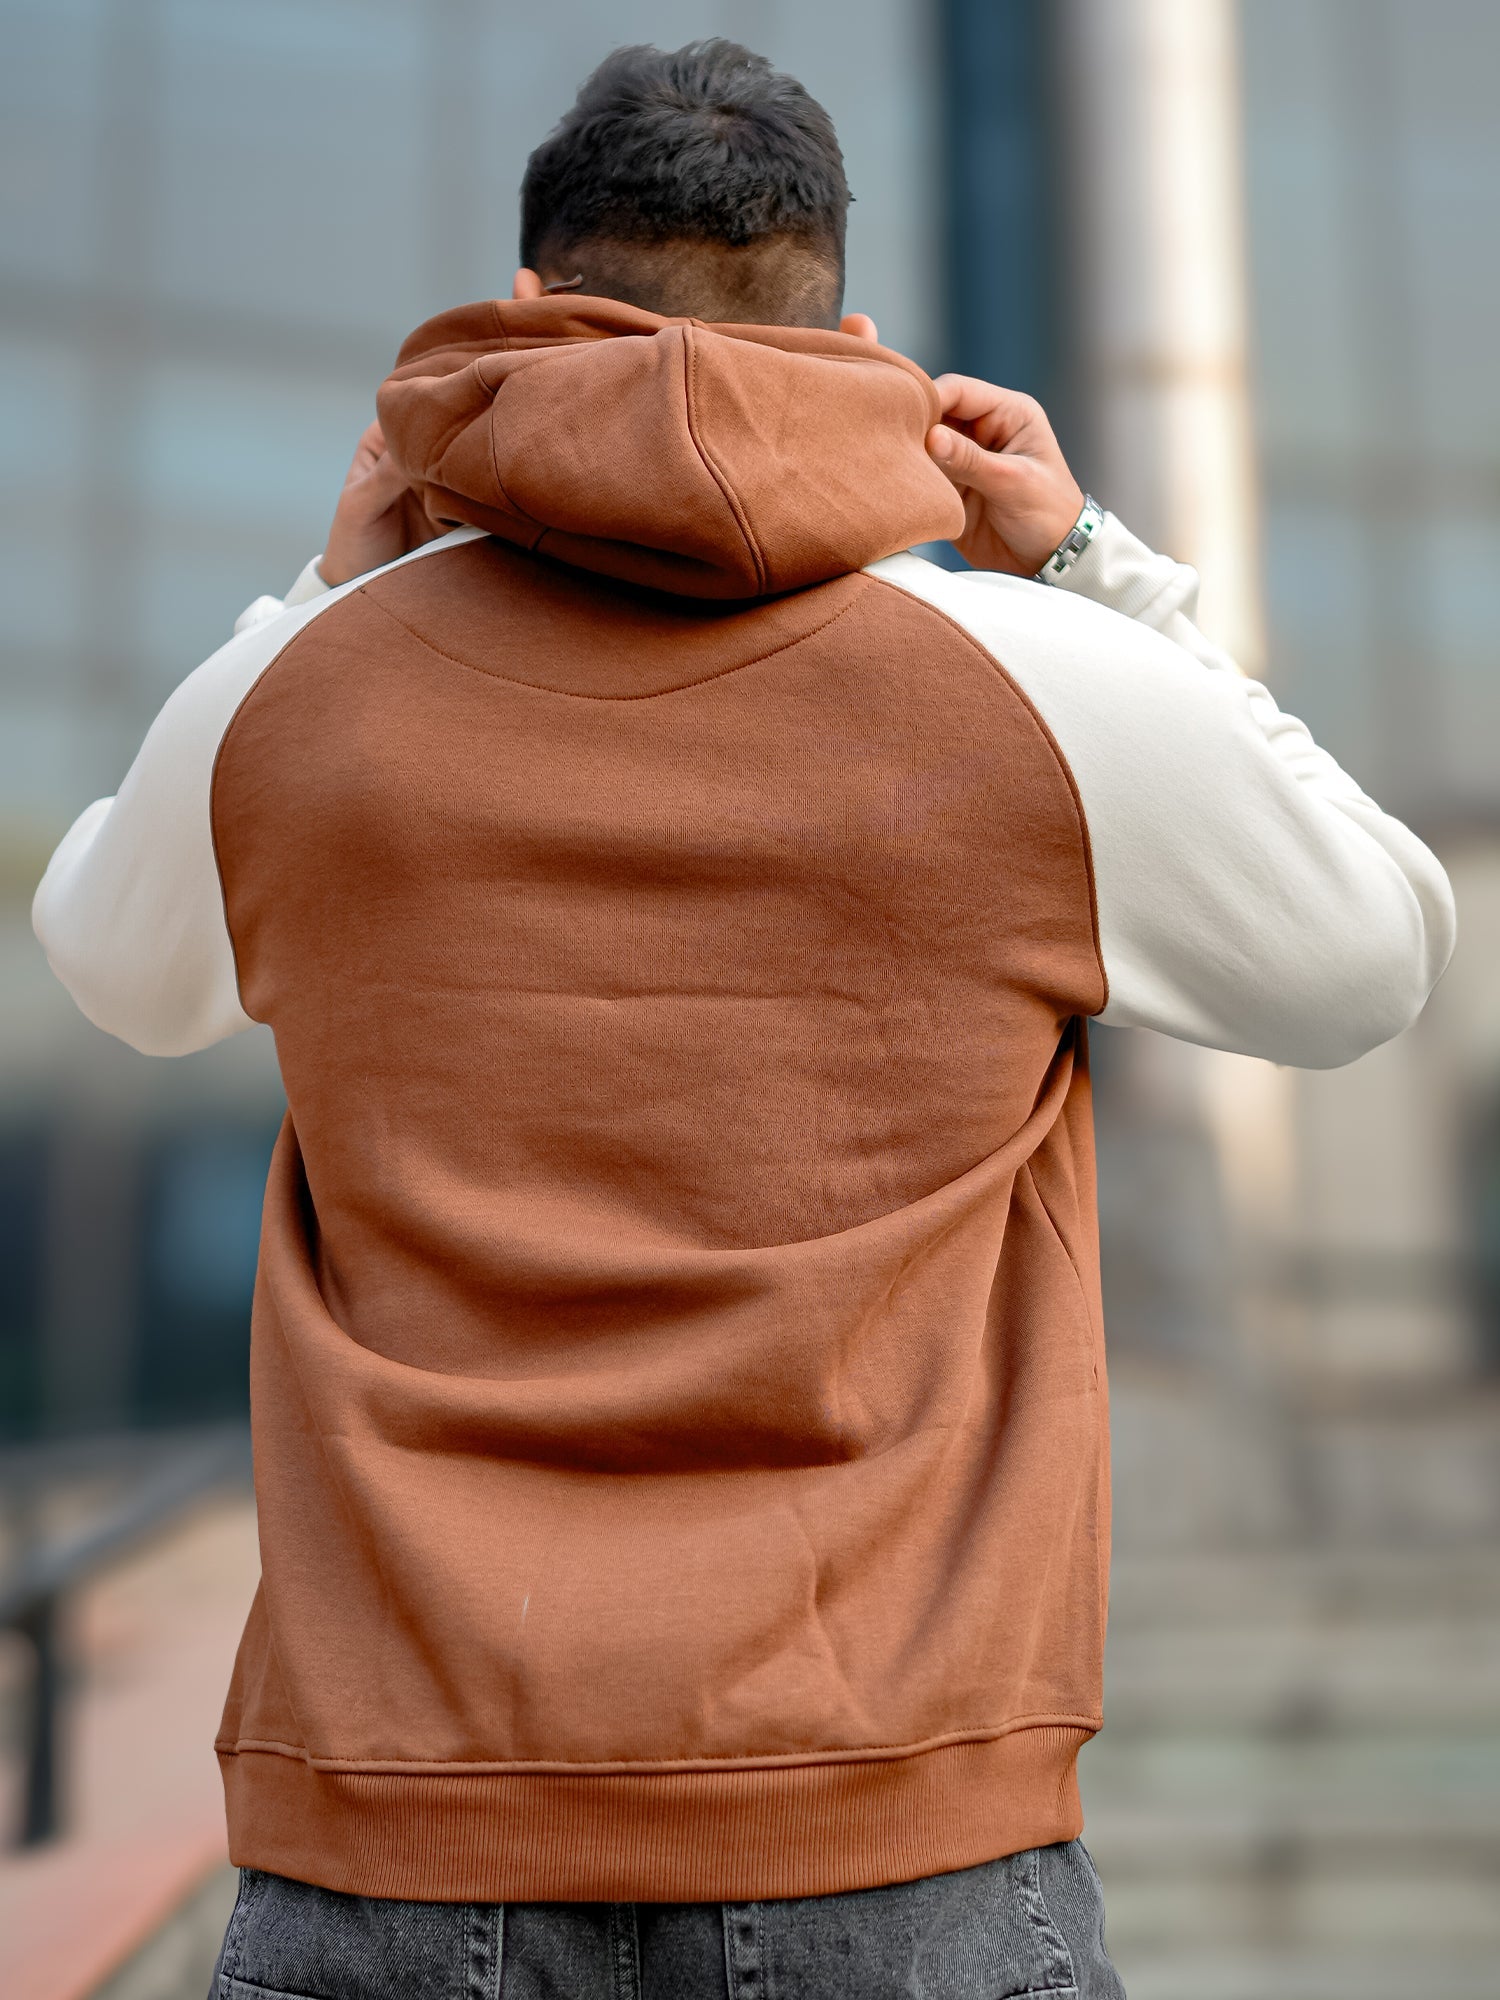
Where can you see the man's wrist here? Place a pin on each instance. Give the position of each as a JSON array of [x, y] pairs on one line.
[[1075, 542]]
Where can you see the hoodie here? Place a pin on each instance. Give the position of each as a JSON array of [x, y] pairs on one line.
[[677, 1367]]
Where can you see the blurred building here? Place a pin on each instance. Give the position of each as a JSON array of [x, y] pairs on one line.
[[1236, 251], [1373, 178], [1280, 322]]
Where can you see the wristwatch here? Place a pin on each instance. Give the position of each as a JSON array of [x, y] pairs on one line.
[[1074, 542]]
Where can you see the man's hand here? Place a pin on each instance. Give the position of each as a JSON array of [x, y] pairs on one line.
[[997, 447], [376, 519]]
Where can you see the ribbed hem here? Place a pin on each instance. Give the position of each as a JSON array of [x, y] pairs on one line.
[[659, 1837]]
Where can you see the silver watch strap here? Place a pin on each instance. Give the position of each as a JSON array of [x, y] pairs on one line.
[[1074, 542]]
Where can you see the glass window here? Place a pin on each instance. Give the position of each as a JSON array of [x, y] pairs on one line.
[[50, 125], [291, 169]]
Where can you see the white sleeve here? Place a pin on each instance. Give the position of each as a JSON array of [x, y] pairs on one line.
[[1250, 896], [130, 911]]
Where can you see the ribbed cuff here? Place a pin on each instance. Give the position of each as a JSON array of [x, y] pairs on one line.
[[257, 612], [309, 584], [1120, 570]]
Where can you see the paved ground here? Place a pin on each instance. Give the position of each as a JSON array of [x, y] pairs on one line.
[[177, 1963], [152, 1645]]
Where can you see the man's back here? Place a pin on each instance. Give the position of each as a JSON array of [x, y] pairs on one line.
[[678, 1279], [677, 1371]]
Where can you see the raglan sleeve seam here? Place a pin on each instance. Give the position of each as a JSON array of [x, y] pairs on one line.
[[131, 912], [213, 823], [994, 666], [1261, 901], [1250, 896], [132, 909]]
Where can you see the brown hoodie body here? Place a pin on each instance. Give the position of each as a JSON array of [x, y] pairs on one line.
[[677, 1376]]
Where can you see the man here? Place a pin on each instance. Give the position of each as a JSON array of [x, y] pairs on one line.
[[676, 1368]]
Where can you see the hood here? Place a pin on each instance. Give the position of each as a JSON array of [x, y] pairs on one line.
[[711, 461]]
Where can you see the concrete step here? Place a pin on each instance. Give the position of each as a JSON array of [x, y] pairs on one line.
[[1296, 1792], [1293, 1581], [1286, 1681], [1360, 1789], [1298, 1642], [1291, 1876], [1356, 1972]]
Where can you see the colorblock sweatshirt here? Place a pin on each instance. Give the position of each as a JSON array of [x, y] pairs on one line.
[[677, 1375]]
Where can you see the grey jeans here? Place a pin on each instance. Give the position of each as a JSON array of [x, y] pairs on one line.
[[1027, 1927]]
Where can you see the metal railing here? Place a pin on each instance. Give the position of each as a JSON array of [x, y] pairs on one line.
[[33, 1598]]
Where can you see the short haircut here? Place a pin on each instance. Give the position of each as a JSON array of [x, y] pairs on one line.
[[696, 182]]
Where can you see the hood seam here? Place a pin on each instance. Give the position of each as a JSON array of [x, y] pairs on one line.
[[732, 500], [834, 489], [500, 486], [652, 694]]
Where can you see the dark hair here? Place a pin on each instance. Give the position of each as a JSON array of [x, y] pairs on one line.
[[679, 170]]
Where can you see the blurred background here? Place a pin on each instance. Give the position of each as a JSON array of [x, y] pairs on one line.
[[1246, 256]]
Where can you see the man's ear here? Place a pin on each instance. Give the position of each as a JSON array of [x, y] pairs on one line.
[[859, 324], [528, 284]]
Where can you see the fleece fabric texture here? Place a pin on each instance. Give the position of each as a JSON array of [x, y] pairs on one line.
[[677, 1373], [676, 1360]]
